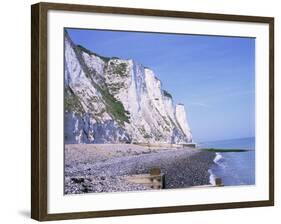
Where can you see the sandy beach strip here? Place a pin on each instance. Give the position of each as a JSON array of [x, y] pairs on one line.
[[102, 167]]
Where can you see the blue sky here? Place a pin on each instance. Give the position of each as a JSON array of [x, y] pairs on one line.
[[213, 76]]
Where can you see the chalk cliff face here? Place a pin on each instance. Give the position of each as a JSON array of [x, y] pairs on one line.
[[110, 100]]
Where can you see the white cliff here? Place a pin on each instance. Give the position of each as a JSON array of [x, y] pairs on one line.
[[110, 100], [181, 118]]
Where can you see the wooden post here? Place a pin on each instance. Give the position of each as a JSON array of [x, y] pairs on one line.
[[218, 182], [156, 178], [155, 171]]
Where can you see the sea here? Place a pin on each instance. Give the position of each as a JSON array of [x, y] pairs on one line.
[[234, 168]]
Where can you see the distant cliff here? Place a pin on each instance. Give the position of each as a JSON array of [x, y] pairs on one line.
[[111, 100]]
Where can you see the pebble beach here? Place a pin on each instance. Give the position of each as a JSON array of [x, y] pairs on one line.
[[92, 168]]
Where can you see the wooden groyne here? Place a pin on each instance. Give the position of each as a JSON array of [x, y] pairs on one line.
[[156, 180]]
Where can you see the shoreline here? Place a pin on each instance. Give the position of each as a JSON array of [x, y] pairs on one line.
[[103, 167]]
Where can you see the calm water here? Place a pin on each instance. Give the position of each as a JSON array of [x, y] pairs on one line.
[[235, 168]]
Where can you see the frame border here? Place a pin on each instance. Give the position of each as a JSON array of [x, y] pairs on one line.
[[39, 209]]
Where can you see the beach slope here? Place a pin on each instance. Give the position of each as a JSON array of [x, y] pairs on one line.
[[103, 167]]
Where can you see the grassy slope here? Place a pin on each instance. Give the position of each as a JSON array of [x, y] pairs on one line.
[[114, 107]]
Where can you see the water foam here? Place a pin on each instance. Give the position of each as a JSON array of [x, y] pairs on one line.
[[217, 160], [212, 178]]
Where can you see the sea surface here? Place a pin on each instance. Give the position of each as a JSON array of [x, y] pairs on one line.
[[235, 168]]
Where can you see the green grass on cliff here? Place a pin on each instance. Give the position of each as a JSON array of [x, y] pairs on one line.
[[114, 106], [167, 94], [120, 69], [81, 48], [72, 102]]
